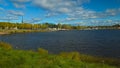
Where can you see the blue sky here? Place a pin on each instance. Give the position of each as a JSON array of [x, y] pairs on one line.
[[82, 12]]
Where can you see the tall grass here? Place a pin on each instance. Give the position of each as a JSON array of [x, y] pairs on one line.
[[5, 46], [11, 58], [90, 59]]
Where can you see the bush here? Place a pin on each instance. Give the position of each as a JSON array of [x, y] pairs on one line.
[[41, 59], [42, 51], [5, 46], [89, 59]]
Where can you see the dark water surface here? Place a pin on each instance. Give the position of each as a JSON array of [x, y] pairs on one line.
[[104, 43]]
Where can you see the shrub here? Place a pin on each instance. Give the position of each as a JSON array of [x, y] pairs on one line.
[[5, 46], [42, 51], [30, 59]]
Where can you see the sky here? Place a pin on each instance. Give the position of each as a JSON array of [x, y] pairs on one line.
[[76, 12]]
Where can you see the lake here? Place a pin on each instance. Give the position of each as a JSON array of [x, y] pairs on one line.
[[105, 43]]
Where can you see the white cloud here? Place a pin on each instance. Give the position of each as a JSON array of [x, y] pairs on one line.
[[50, 14], [9, 18], [20, 3], [69, 19], [10, 14], [64, 10], [113, 12], [33, 20], [82, 1], [82, 13], [58, 5], [36, 19], [1, 9], [73, 8], [48, 4], [16, 13]]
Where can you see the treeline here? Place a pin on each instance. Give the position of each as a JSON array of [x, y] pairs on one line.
[[8, 25], [116, 26]]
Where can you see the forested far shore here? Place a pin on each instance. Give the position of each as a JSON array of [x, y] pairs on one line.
[[8, 25], [50, 26]]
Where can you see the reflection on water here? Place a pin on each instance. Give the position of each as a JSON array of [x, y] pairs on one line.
[[104, 43]]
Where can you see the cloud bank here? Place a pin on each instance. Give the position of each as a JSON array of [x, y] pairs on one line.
[[73, 9]]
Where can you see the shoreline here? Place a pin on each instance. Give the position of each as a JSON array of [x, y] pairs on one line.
[[3, 33], [6, 32]]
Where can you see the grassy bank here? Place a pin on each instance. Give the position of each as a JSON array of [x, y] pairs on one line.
[[11, 58]]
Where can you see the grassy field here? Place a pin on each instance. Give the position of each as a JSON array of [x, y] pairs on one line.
[[11, 58]]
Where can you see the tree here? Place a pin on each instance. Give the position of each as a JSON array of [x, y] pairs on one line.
[[59, 25], [66, 26]]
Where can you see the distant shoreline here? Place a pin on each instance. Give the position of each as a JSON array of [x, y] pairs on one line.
[[5, 32]]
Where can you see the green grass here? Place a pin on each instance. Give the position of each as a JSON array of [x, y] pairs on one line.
[[11, 58]]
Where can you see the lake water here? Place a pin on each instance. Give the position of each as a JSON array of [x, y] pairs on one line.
[[105, 43]]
